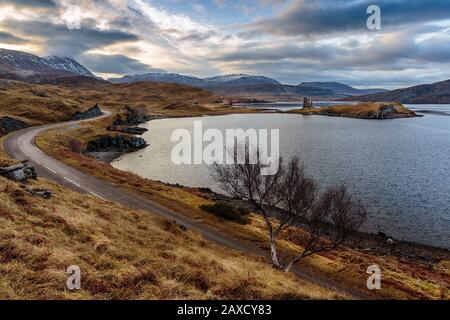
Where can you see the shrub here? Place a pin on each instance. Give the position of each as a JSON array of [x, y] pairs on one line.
[[228, 212]]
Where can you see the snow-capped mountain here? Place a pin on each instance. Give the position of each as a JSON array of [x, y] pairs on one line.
[[17, 61], [160, 77], [240, 79], [28, 67], [225, 80], [68, 65]]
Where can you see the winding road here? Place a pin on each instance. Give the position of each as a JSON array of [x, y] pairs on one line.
[[21, 146]]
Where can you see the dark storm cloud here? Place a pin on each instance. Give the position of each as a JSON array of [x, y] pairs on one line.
[[388, 53], [116, 63], [30, 3], [305, 17], [57, 39], [9, 38], [280, 52]]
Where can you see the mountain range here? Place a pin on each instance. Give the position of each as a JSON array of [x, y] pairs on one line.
[[17, 65], [438, 93], [253, 86]]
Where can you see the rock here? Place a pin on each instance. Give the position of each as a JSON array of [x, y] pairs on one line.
[[128, 130], [40, 93], [390, 241], [120, 143], [41, 193], [20, 172], [9, 124], [382, 234], [93, 112], [132, 117]]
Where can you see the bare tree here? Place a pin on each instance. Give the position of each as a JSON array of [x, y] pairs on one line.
[[290, 197]]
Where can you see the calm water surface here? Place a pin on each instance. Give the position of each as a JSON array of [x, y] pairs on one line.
[[399, 168]]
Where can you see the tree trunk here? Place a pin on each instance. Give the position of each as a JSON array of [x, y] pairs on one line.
[[294, 262], [289, 267], [274, 254]]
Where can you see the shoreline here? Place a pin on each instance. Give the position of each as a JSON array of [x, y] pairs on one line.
[[367, 242], [361, 241]]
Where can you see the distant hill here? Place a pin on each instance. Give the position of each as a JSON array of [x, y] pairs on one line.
[[17, 65], [340, 88], [160, 77], [438, 92], [250, 86], [240, 79], [226, 80]]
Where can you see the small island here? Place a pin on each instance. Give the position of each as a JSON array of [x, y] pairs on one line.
[[367, 110]]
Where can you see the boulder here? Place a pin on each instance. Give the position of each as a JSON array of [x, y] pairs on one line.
[[120, 143], [9, 124], [41, 193], [20, 172], [128, 130], [93, 112], [132, 117]]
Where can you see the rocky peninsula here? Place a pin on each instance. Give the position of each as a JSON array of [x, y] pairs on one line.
[[368, 110]]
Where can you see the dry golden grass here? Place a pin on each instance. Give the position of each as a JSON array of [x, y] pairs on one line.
[[361, 110], [122, 253], [40, 104], [402, 279]]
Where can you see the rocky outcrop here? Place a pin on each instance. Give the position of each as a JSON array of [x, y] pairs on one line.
[[120, 143], [93, 112], [380, 112], [376, 110], [128, 130], [40, 193], [9, 124], [131, 117], [20, 172]]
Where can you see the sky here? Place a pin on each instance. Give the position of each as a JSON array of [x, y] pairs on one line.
[[291, 41]]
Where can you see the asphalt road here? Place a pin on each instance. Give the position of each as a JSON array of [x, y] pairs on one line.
[[21, 146]]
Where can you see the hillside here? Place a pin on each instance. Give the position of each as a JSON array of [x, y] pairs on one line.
[[253, 87], [339, 88], [36, 104], [128, 254], [401, 263], [377, 110], [438, 92], [122, 253], [17, 65]]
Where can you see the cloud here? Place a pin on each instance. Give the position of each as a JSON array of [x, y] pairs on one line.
[[9, 38], [57, 39], [30, 3], [289, 40], [304, 17], [116, 63]]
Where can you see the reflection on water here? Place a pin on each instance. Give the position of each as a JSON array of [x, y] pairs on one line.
[[399, 168]]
